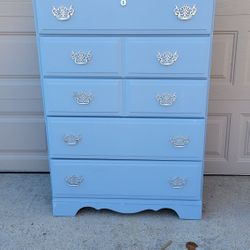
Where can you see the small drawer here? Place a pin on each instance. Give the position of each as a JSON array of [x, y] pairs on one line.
[[124, 16], [122, 179], [168, 57], [167, 98], [126, 138], [72, 97], [80, 56]]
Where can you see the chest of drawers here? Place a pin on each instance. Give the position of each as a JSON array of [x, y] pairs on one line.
[[125, 88]]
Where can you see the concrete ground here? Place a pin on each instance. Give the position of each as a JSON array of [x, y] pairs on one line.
[[26, 221]]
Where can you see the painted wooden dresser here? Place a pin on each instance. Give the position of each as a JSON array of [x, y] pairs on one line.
[[125, 88]]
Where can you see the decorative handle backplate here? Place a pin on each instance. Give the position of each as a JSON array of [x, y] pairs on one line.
[[74, 181], [81, 58], [63, 13], [185, 12], [167, 58], [180, 142], [166, 99], [72, 140], [177, 183], [83, 98]]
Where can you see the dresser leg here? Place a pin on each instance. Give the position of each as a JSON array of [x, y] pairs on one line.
[[193, 212], [65, 208]]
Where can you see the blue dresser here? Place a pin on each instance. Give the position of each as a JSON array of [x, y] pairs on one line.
[[125, 88]]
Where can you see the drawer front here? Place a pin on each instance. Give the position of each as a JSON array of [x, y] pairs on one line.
[[125, 16], [111, 179], [80, 56], [126, 138], [176, 98], [83, 97], [168, 57]]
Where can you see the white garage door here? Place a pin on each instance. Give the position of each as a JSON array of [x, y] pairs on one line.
[[22, 133], [228, 136]]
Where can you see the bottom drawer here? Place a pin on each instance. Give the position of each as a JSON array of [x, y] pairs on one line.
[[127, 179]]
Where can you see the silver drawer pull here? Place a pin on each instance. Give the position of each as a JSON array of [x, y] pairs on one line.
[[63, 13], [180, 142], [167, 58], [166, 99], [177, 183], [81, 58], [185, 12], [83, 98], [72, 140], [74, 181]]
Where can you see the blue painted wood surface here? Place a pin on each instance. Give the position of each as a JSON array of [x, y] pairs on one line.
[[139, 16], [126, 97], [131, 179], [61, 97], [125, 132], [56, 56], [193, 57], [128, 57], [185, 209], [146, 98], [130, 138]]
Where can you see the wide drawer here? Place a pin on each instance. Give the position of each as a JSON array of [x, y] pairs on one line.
[[167, 98], [168, 57], [82, 97], [124, 16], [80, 56], [127, 179], [126, 138]]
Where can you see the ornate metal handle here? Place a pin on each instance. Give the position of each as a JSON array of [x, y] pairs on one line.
[[63, 13], [83, 98], [167, 58], [81, 58], [166, 99], [185, 12], [74, 181], [177, 183], [180, 142], [72, 140]]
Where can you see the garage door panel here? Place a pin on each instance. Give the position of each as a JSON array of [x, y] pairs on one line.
[[232, 7], [224, 58], [20, 56], [218, 132], [20, 96], [22, 134], [245, 137], [36, 162], [16, 16], [233, 132]]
